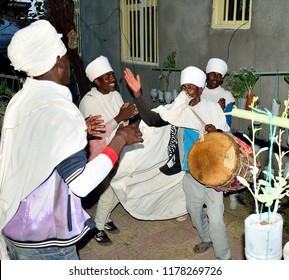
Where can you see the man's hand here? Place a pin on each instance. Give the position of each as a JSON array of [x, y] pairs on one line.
[[125, 135], [133, 82], [130, 133], [126, 112], [222, 103], [94, 126]]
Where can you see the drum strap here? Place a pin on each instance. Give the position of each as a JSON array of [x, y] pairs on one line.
[[202, 130]]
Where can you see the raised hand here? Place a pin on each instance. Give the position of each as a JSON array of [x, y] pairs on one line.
[[133, 82], [126, 112]]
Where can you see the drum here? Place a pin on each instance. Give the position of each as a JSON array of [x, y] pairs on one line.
[[219, 159]]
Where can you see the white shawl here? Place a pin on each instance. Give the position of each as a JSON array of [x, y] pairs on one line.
[[180, 114], [41, 128], [144, 191]]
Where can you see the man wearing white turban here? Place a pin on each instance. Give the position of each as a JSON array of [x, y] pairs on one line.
[[43, 163], [103, 99], [216, 70], [194, 115]]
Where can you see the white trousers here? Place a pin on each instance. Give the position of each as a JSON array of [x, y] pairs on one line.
[[209, 221], [106, 203]]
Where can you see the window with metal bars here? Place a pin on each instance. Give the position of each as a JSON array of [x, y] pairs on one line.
[[231, 14], [139, 40]]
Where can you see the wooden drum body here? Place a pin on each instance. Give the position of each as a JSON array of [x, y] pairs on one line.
[[219, 159]]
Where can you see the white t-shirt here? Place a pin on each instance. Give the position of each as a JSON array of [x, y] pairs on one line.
[[217, 93]]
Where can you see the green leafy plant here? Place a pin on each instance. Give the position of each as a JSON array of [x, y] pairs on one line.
[[235, 85], [4, 88], [166, 71], [242, 82], [249, 77]]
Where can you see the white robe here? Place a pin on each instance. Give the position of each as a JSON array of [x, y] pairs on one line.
[[106, 105], [41, 128], [217, 93], [180, 114], [144, 191], [141, 188]]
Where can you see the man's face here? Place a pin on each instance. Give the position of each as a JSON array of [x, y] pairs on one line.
[[105, 83], [193, 92], [214, 79]]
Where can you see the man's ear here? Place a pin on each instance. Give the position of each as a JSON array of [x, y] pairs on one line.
[[222, 80], [96, 82], [59, 62]]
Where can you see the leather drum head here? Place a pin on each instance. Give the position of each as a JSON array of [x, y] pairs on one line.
[[213, 161]]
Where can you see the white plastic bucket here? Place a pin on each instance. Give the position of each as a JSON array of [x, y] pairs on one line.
[[263, 241]]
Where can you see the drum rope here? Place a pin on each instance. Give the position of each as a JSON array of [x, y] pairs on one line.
[[245, 166]]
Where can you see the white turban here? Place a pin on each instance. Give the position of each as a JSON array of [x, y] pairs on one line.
[[217, 65], [97, 68], [34, 49], [193, 75]]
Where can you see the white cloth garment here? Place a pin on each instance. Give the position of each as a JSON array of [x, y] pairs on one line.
[[217, 93], [144, 191], [106, 105], [180, 114], [97, 68], [193, 75], [36, 54], [30, 149], [217, 65]]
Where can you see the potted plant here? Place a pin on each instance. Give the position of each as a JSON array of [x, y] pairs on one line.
[[241, 84], [249, 77], [263, 229], [166, 71], [237, 87]]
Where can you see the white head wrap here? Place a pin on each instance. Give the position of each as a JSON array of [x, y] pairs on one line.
[[193, 75], [98, 67], [34, 49], [217, 65]]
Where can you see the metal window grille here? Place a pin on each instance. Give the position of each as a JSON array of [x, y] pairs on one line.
[[232, 14], [139, 41]]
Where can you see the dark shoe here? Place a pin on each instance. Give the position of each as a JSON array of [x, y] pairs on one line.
[[202, 247], [101, 237], [111, 227]]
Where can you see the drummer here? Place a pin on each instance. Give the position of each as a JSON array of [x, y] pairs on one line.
[[216, 71], [202, 115]]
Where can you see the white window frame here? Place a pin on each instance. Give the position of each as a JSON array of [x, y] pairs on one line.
[[139, 38], [220, 10]]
